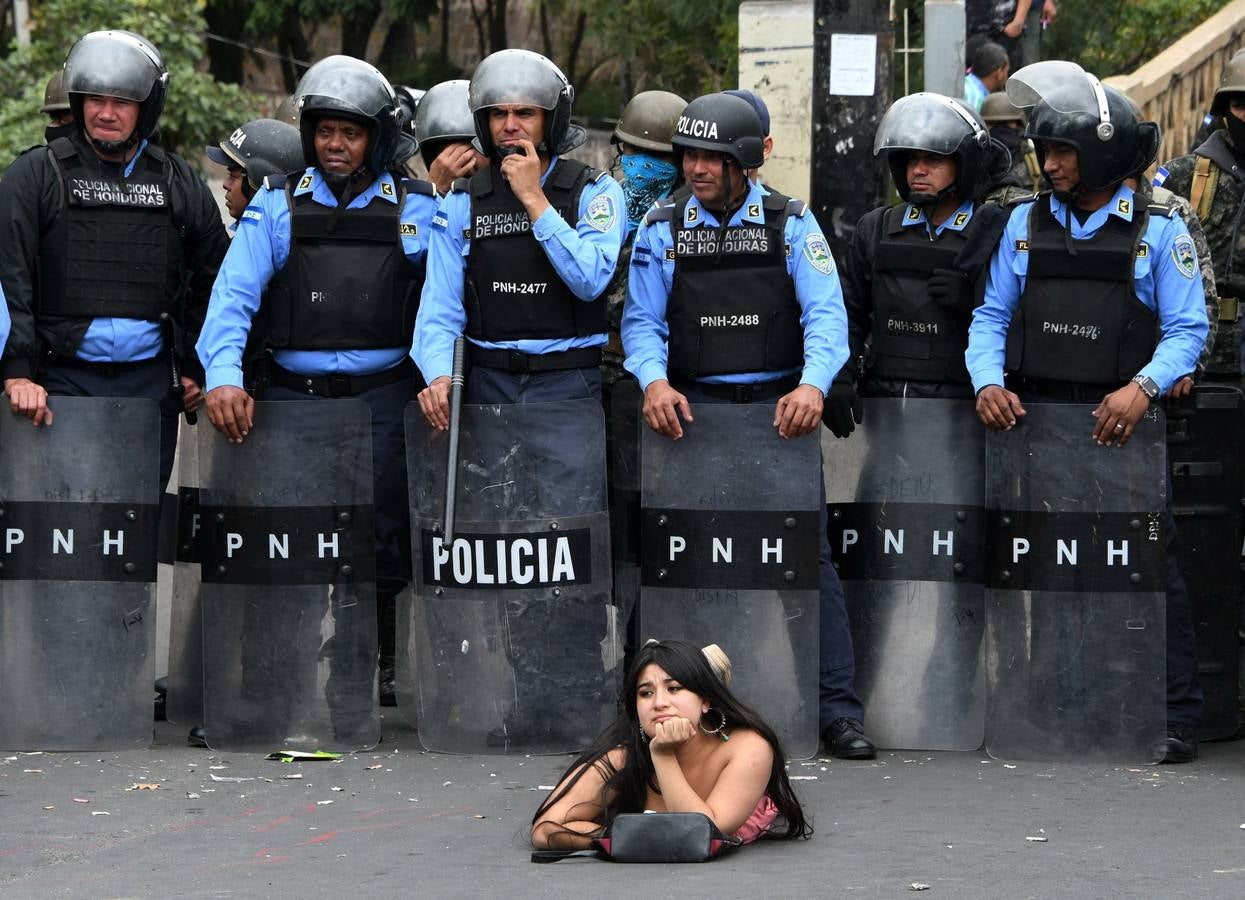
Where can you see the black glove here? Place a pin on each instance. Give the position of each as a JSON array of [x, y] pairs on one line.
[[947, 287], [843, 409]]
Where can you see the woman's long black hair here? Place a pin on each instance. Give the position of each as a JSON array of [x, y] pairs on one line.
[[629, 785]]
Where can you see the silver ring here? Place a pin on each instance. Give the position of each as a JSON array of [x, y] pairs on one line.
[[1119, 427]]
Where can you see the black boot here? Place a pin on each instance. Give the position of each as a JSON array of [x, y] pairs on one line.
[[386, 627]]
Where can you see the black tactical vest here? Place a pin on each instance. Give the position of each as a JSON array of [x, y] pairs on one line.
[[913, 338], [346, 285], [732, 305], [114, 250], [1079, 319], [511, 290]]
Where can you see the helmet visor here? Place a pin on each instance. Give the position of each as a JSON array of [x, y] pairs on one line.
[[349, 85], [926, 121], [112, 64], [1064, 86], [515, 77]]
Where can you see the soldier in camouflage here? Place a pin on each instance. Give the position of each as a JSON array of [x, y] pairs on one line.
[[1212, 178]]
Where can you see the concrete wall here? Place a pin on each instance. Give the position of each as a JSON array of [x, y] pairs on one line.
[[776, 61]]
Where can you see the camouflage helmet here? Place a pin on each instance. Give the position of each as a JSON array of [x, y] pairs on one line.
[[648, 121], [287, 110], [997, 108], [1232, 81], [55, 99]]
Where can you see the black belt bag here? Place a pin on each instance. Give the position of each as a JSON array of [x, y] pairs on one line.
[[653, 838]]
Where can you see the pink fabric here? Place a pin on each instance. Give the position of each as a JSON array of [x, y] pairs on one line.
[[759, 822]]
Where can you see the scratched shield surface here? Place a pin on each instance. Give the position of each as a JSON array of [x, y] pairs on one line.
[[1076, 601], [729, 555], [288, 584], [184, 703], [79, 513], [905, 498], [509, 642]]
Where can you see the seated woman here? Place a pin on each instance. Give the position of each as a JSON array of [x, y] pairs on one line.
[[683, 744]]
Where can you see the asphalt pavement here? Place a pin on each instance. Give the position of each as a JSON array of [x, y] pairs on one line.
[[174, 820]]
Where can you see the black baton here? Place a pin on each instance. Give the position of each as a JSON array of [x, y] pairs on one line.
[[451, 470]]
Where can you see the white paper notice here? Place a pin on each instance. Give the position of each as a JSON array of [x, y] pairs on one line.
[[853, 64]]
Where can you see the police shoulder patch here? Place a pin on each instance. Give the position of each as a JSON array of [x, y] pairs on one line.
[[600, 214], [408, 229], [251, 214], [1143, 250], [439, 221], [1022, 246], [817, 252], [1185, 256]]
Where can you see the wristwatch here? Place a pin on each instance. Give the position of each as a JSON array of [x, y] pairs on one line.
[[1148, 385]]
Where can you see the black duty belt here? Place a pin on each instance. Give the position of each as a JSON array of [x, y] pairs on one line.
[[1061, 391], [105, 369], [517, 362], [743, 393], [338, 385]]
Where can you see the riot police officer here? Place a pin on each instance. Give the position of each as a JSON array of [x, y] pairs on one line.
[[542, 234], [56, 107], [255, 150], [1090, 141], [681, 358], [357, 347], [110, 247], [520, 258], [1007, 125], [1211, 179], [915, 271], [445, 128]]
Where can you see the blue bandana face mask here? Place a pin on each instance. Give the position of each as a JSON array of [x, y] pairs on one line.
[[646, 179]]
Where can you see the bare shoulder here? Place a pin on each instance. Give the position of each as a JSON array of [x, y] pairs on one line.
[[746, 743]]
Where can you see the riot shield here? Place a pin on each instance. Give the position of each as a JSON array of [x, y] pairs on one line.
[[626, 401], [729, 555], [1075, 602], [905, 530], [1204, 448], [288, 593], [184, 704], [511, 631], [79, 513]]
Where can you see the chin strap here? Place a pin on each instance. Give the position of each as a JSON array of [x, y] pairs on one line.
[[347, 182]]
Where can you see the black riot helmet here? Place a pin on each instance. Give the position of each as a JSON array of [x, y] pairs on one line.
[[443, 117], [933, 123], [342, 87], [118, 64], [723, 123], [524, 78], [1069, 105], [261, 147], [408, 102]]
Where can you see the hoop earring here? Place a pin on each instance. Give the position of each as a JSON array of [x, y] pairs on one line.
[[720, 730], [643, 737]]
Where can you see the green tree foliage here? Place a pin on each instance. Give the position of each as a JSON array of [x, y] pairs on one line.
[[1114, 37], [199, 111], [686, 46]]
